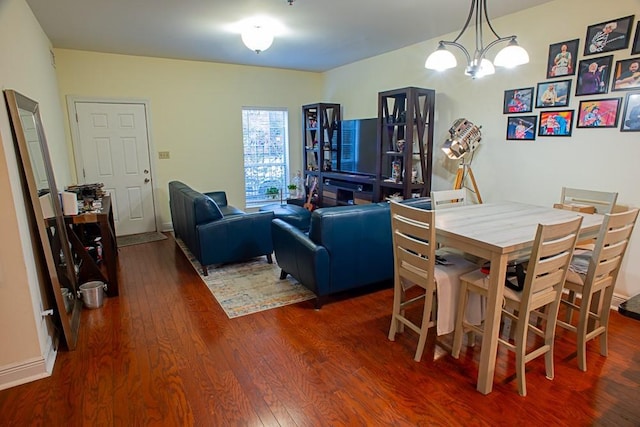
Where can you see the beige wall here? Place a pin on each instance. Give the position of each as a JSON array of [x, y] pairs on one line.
[[195, 111], [26, 67], [602, 159]]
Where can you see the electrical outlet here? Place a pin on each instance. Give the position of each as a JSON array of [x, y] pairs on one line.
[[163, 155]]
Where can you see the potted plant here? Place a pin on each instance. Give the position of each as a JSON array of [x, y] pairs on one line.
[[293, 190], [272, 192]]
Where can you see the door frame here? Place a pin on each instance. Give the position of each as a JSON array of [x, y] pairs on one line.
[[77, 150]]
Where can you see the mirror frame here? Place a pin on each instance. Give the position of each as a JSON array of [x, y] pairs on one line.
[[69, 322]]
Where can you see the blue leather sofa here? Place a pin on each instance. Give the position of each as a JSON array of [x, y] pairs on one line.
[[215, 232], [347, 247]]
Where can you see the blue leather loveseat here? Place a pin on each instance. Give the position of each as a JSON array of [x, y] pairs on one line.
[[346, 247], [215, 232]]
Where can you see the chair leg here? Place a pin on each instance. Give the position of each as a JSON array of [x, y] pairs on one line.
[[459, 327], [551, 311], [397, 300], [521, 325], [269, 259], [424, 328], [283, 274], [205, 270], [581, 331], [571, 297], [605, 311]]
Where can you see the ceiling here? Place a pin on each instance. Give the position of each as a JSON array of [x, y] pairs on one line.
[[311, 35]]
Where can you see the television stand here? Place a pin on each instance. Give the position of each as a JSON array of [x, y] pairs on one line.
[[343, 189]]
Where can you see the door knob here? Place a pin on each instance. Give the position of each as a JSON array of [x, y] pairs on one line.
[[146, 171], [146, 180]]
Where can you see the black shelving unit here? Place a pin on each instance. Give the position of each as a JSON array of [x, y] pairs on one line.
[[405, 143], [321, 139]]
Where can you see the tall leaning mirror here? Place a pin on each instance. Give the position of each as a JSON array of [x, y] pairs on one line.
[[53, 253]]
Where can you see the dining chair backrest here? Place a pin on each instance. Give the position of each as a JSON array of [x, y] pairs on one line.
[[446, 199], [610, 247], [602, 201], [597, 285], [549, 262], [546, 271], [414, 244]]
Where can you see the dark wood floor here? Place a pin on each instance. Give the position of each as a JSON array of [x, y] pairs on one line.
[[164, 353]]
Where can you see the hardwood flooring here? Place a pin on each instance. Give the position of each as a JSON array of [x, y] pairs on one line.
[[163, 353]]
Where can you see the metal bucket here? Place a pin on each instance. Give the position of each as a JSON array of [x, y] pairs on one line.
[[68, 299], [92, 293]]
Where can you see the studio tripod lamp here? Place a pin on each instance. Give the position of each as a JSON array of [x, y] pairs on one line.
[[464, 139]]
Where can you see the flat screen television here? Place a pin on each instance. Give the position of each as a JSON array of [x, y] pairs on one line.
[[358, 146]]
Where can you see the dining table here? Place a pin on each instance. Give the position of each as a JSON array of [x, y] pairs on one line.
[[500, 232]]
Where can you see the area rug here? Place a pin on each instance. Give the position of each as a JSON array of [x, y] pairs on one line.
[[249, 287], [136, 239]]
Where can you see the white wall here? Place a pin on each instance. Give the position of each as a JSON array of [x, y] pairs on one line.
[[26, 67], [599, 159]]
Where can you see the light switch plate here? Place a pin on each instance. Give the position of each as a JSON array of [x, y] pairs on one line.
[[163, 155]]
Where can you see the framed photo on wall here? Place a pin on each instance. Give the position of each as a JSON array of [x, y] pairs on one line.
[[635, 47], [626, 74], [553, 94], [598, 113], [594, 75], [562, 58], [631, 116], [518, 100], [608, 36], [521, 128], [555, 123]]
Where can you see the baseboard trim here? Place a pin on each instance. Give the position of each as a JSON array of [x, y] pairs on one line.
[[616, 301], [25, 372]]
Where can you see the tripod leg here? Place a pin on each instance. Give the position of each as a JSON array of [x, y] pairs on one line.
[[457, 183], [475, 185]]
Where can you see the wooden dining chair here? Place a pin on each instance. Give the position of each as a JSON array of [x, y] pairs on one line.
[[602, 201], [593, 275], [414, 245], [546, 271], [446, 199]]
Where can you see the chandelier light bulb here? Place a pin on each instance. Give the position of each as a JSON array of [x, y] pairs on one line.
[[512, 55], [441, 60]]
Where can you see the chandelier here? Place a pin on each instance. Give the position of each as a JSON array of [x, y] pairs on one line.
[[478, 65]]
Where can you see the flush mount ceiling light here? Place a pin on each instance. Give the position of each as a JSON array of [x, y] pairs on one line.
[[478, 65], [257, 38]]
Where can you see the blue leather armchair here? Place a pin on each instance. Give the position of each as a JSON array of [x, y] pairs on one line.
[[215, 232], [346, 248]]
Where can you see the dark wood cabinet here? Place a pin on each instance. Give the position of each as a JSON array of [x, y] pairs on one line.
[[97, 224], [405, 142]]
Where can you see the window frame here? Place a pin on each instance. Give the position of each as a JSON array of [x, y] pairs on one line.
[[253, 195]]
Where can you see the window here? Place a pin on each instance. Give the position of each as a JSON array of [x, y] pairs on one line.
[[266, 162]]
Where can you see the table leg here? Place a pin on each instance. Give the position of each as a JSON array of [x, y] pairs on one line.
[[492, 323]]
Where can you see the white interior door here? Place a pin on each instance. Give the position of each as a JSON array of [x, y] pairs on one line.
[[114, 148]]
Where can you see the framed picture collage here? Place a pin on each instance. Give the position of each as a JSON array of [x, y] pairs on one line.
[[594, 75]]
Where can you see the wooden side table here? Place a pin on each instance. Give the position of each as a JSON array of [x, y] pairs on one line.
[[89, 269]]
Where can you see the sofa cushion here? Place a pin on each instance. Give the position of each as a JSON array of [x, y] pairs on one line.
[[206, 210]]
